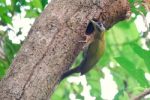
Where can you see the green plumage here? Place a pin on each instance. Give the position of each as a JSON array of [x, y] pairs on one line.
[[93, 51]]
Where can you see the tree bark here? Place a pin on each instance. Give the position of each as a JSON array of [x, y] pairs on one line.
[[142, 95], [52, 45]]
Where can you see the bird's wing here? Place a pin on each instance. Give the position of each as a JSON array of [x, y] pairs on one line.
[[85, 50]]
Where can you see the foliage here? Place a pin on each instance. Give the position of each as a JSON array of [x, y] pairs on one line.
[[7, 10], [123, 49]]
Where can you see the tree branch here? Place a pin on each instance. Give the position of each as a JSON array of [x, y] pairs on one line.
[[52, 45], [142, 95]]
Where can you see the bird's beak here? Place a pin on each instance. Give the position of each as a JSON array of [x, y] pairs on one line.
[[93, 22], [102, 28]]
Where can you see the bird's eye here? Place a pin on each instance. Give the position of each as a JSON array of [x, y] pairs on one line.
[[100, 24]]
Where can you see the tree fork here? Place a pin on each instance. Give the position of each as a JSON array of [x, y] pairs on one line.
[[52, 45]]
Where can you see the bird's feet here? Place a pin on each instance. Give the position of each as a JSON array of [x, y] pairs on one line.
[[87, 41]]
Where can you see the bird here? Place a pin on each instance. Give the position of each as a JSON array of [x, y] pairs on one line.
[[93, 50]]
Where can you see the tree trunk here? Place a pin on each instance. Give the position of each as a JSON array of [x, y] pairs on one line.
[[52, 45]]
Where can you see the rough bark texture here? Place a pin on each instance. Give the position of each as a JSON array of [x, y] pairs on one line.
[[52, 45]]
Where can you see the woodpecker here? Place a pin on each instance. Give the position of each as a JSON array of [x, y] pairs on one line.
[[93, 51]]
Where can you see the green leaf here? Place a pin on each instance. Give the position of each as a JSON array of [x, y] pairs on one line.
[[126, 31], [3, 10], [144, 54], [22, 2], [17, 7], [7, 19], [93, 79], [4, 63], [37, 4], [142, 9], [3, 14], [120, 92], [104, 60], [125, 96], [137, 74], [3, 67], [44, 2], [119, 76], [31, 14], [2, 72], [10, 49]]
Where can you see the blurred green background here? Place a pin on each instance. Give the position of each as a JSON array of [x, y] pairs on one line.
[[126, 59]]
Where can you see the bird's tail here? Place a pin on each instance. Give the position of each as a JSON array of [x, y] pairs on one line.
[[68, 73]]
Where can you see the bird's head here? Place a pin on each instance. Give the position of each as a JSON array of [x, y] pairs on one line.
[[98, 26]]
